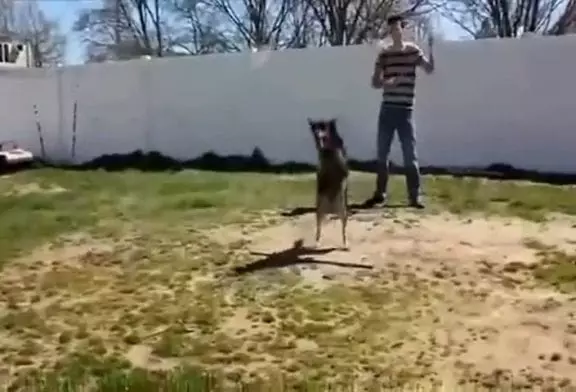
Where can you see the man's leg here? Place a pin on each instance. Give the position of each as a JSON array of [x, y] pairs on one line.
[[386, 129], [407, 138]]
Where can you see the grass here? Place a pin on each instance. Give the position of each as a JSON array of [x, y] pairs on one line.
[[556, 267], [559, 269], [101, 270]]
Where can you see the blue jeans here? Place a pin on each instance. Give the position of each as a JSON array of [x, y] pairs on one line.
[[390, 120]]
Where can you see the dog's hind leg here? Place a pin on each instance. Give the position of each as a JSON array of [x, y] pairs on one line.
[[343, 212], [319, 220], [344, 220], [320, 212]]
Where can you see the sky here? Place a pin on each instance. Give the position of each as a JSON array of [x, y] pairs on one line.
[[65, 11]]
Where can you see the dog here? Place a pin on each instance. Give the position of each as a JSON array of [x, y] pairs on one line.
[[331, 175]]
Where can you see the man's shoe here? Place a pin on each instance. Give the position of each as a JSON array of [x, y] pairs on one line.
[[374, 201], [416, 204]]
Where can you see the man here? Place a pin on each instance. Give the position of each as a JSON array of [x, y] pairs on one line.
[[395, 72]]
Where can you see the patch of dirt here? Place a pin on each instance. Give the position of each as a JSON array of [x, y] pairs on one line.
[[491, 319], [424, 293], [32, 187], [296, 177], [49, 300]]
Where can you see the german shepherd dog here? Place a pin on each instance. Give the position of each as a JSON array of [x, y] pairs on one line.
[[331, 175]]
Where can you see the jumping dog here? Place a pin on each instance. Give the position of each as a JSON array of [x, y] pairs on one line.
[[331, 175]]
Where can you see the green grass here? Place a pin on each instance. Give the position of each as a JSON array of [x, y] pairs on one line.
[[556, 267], [132, 196], [137, 249], [196, 380]]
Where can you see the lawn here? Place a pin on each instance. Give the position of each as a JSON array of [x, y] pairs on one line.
[[126, 281]]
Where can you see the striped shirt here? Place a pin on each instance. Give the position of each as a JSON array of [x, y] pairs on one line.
[[400, 65]]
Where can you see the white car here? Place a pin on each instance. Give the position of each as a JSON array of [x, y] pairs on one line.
[[12, 155]]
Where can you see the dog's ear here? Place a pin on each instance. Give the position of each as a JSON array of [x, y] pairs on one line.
[[312, 127], [331, 124], [334, 132], [332, 127]]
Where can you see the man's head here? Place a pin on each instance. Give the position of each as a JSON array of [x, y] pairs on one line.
[[396, 24]]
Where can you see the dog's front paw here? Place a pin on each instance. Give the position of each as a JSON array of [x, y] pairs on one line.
[[344, 248]]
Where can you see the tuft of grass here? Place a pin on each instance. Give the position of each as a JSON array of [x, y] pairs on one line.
[[194, 379], [558, 269]]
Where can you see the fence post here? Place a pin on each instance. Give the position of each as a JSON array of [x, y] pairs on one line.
[[60, 151], [145, 94]]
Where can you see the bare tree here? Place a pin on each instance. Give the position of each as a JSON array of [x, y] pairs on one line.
[[299, 29], [502, 18], [421, 27], [47, 43], [346, 22], [254, 23], [7, 15], [199, 28], [122, 29], [304, 28], [25, 21], [566, 23]]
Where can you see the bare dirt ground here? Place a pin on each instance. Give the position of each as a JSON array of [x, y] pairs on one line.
[[477, 309], [489, 316]]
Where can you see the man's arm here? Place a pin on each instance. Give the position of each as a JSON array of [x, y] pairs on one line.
[[426, 63], [377, 74]]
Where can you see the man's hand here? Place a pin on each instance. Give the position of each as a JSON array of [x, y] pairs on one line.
[[428, 63], [430, 67], [382, 83], [390, 82]]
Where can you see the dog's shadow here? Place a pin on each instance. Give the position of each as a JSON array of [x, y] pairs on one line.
[[297, 254]]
